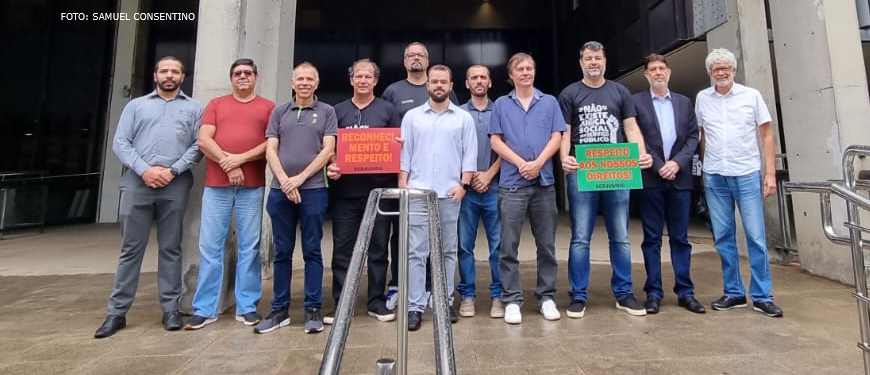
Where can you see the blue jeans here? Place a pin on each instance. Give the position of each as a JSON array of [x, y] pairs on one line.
[[722, 193], [217, 210], [583, 208], [659, 206], [309, 215], [476, 206]]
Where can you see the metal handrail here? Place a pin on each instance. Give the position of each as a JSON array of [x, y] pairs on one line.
[[846, 189], [444, 355]]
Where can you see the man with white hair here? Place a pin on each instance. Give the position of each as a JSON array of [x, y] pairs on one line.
[[300, 140], [730, 117]]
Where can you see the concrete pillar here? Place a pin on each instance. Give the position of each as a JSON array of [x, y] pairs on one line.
[[745, 34], [122, 86], [227, 30], [825, 108]]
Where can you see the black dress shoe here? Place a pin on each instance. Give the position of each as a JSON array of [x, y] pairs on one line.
[[112, 324], [414, 320], [453, 316], [691, 304], [172, 321], [652, 305], [728, 303]]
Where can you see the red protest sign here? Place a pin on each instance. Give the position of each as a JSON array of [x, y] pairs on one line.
[[372, 150]]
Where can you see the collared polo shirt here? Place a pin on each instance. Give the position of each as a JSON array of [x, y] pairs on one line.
[[485, 155], [157, 132], [300, 132], [438, 147], [526, 133], [664, 108], [730, 124]]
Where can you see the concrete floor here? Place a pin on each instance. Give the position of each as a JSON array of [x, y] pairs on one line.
[[54, 287]]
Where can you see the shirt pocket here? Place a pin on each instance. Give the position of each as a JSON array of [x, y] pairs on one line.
[[545, 122]]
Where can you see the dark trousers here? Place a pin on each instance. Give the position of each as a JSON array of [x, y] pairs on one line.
[[309, 214], [347, 215], [140, 206], [539, 202], [660, 206]]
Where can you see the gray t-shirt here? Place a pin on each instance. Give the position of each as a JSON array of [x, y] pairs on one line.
[[406, 95], [300, 132]]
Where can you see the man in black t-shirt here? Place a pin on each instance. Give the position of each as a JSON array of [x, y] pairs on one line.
[[406, 94], [598, 110], [411, 92], [349, 194]]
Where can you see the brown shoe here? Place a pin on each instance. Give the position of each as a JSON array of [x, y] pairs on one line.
[[497, 309], [466, 308]]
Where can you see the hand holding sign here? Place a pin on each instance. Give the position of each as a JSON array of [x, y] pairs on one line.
[[372, 150], [610, 166], [645, 161]]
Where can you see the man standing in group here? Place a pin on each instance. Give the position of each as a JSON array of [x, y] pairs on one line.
[[526, 131], [598, 110], [349, 194], [406, 94], [481, 203], [156, 142], [439, 154], [232, 138], [667, 122], [300, 139], [730, 117]]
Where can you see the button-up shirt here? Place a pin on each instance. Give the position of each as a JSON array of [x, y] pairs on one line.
[[438, 147], [526, 133], [157, 132], [485, 155], [730, 124], [667, 127]]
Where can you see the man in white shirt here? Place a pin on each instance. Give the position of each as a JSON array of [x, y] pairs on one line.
[[730, 117], [439, 154]]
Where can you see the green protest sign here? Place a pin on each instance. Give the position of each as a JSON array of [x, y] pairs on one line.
[[609, 166]]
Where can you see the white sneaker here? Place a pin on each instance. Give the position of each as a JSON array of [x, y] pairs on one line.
[[512, 314], [548, 308], [392, 297]]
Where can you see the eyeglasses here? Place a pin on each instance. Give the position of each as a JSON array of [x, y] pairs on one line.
[[411, 55], [246, 73], [724, 69], [358, 121]]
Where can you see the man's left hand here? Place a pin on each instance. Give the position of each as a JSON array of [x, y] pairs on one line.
[[669, 170], [231, 161], [769, 185], [645, 161], [456, 193]]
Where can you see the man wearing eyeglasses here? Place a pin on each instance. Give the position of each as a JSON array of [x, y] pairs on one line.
[[349, 194], [233, 138], [406, 94]]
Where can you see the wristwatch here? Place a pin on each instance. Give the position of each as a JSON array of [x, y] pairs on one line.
[[466, 187], [173, 171]]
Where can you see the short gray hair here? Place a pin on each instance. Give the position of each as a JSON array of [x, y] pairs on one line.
[[425, 50], [720, 55], [592, 46]]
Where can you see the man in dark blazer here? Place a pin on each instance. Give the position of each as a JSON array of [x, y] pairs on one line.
[[667, 121]]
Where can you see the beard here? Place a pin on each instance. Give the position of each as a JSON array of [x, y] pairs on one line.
[[725, 82], [167, 85], [439, 98], [416, 68], [587, 73]]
